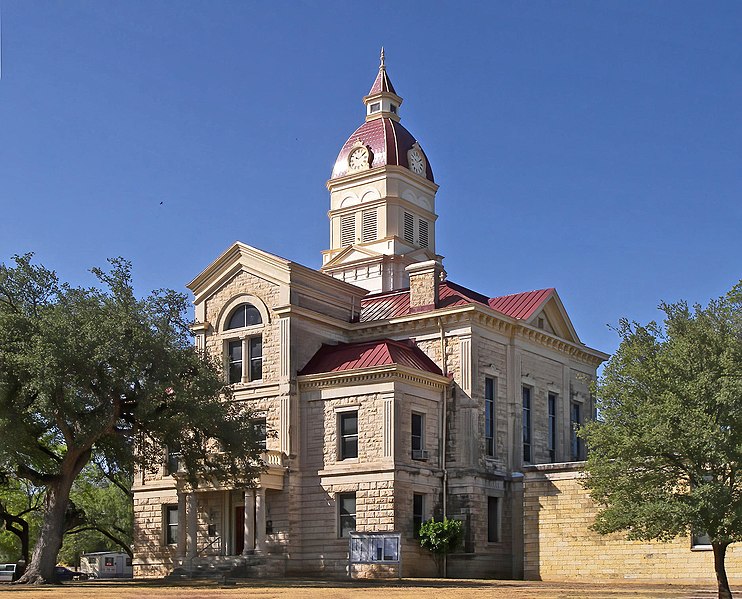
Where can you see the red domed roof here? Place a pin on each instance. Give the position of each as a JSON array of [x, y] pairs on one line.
[[388, 141]]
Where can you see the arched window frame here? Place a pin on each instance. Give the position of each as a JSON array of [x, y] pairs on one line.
[[243, 347]]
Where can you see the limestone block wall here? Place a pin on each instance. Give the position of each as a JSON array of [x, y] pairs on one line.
[[491, 362], [268, 293], [558, 544], [152, 557]]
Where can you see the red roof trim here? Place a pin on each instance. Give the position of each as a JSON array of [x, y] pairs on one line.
[[353, 356]]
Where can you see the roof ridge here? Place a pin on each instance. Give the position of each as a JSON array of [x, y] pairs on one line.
[[523, 292]]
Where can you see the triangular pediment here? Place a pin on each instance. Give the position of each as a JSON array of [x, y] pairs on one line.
[[553, 318], [351, 254]]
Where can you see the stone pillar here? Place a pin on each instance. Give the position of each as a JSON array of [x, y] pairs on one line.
[[180, 550], [425, 278], [191, 525], [249, 545], [260, 519]]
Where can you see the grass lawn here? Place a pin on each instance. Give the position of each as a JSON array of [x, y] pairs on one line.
[[330, 589]]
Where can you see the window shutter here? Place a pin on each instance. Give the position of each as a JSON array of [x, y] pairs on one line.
[[368, 227], [423, 233], [347, 230], [409, 228]]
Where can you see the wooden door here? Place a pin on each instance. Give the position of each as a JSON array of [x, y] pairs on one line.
[[239, 529]]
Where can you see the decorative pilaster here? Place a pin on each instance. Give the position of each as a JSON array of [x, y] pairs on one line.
[[181, 546], [388, 434], [260, 520], [249, 544], [191, 525], [285, 346]]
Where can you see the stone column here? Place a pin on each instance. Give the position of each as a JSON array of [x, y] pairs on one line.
[[180, 550], [260, 520], [191, 525], [249, 545]]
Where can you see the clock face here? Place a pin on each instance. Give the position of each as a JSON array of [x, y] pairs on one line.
[[358, 158], [417, 165]]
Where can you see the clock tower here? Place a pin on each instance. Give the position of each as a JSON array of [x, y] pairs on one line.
[[382, 198]]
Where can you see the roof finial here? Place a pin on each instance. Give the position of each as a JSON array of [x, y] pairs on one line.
[[381, 64]]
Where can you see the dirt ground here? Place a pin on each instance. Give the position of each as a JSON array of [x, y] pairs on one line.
[[315, 589]]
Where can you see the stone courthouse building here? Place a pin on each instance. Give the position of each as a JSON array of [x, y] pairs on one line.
[[389, 393]]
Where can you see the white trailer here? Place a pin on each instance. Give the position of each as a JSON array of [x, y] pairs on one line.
[[106, 564]]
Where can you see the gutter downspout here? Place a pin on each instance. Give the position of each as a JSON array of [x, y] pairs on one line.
[[444, 438]]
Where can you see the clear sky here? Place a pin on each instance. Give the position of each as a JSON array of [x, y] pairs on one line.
[[595, 147]]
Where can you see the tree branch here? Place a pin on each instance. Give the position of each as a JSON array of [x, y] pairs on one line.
[[105, 533]]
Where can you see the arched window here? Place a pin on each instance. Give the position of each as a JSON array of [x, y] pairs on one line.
[[244, 354], [245, 315]]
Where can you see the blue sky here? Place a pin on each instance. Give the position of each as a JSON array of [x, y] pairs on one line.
[[595, 147]]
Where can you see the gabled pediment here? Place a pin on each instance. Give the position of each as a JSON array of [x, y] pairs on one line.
[[555, 319], [351, 254], [240, 257]]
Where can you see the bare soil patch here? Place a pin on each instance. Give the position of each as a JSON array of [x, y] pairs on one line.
[[333, 589]]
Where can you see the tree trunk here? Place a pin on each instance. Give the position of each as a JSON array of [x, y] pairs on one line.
[[44, 558], [720, 550]]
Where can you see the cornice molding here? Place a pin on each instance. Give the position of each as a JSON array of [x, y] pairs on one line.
[[395, 372]]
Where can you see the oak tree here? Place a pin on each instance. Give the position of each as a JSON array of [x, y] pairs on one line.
[[665, 453], [99, 373]]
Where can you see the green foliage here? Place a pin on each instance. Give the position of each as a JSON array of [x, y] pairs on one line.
[[105, 516], [441, 537], [23, 500], [665, 454], [97, 373]]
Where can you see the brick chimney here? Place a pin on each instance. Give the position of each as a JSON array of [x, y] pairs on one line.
[[425, 279]]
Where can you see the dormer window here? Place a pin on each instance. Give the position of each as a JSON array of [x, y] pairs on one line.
[[375, 107], [393, 108]]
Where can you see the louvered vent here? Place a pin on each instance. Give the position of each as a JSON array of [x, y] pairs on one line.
[[423, 233], [409, 228], [347, 230], [368, 227]]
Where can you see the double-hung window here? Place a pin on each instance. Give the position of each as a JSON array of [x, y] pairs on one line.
[[171, 524], [490, 389], [348, 434], [346, 513], [527, 457], [575, 419], [417, 437], [418, 507], [552, 424]]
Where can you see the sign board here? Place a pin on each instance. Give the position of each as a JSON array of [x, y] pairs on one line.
[[375, 548]]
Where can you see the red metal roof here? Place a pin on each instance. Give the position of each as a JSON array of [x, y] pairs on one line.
[[352, 356], [382, 83], [522, 306], [388, 141]]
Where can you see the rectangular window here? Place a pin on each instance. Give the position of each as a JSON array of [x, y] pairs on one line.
[[255, 347], [393, 108], [409, 228], [700, 540], [493, 520], [171, 524], [423, 233], [234, 355], [261, 431], [575, 419], [347, 230], [527, 424], [108, 562], [490, 389], [348, 426], [375, 107], [346, 513], [551, 440], [418, 505], [368, 225], [417, 440], [173, 459]]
